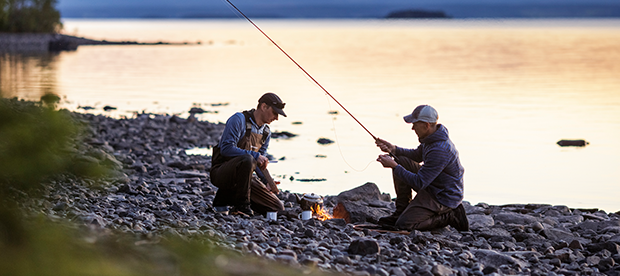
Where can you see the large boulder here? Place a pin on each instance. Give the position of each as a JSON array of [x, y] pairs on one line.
[[368, 192], [362, 204]]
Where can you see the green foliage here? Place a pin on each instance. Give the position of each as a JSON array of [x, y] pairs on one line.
[[36, 142], [29, 16], [54, 248]]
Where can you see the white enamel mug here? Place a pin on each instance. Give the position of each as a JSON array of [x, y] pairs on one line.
[[305, 215], [272, 216]]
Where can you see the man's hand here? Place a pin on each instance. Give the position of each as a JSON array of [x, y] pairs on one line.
[[385, 146], [262, 162], [387, 161]]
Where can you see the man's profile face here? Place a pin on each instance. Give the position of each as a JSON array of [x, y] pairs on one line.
[[272, 115], [421, 129], [268, 113]]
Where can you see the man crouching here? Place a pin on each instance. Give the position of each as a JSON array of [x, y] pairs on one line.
[[239, 164]]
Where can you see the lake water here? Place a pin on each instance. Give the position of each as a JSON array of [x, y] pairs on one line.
[[507, 90]]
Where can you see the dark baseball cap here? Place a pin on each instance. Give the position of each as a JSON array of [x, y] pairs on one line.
[[274, 101]]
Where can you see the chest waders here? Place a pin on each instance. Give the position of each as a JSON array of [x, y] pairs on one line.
[[253, 142], [234, 175]]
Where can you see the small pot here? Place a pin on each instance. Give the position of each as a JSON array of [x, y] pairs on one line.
[[307, 201]]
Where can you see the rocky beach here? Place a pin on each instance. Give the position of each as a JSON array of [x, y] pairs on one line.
[[158, 189]]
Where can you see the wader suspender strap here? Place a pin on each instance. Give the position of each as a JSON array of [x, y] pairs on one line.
[[248, 126]]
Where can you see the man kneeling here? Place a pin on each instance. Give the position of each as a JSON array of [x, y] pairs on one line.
[[438, 182]]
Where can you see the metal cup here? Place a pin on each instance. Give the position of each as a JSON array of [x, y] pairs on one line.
[[272, 216]]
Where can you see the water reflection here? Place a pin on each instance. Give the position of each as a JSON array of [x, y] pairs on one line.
[[28, 75]]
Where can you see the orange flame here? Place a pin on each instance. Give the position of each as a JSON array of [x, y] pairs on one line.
[[320, 213]]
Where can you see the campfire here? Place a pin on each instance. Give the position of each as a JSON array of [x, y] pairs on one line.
[[320, 213], [314, 203]]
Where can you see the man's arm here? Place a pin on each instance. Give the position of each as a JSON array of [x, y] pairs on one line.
[[413, 154], [433, 166]]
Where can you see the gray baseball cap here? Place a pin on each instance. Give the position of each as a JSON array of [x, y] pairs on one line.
[[422, 113]]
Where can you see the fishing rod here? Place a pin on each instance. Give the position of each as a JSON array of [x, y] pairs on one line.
[[302, 69]]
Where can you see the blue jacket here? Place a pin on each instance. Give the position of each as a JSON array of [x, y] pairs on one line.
[[441, 174], [234, 131]]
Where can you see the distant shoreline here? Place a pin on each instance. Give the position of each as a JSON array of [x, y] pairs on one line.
[[45, 42]]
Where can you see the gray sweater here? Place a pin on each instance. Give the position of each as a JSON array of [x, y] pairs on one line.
[[441, 174]]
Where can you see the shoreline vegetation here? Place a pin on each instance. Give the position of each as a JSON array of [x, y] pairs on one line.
[[29, 16], [34, 26], [140, 205], [68, 42]]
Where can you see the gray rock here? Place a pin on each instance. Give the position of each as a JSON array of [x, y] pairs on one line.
[[441, 270], [575, 244], [191, 174], [61, 206], [537, 226], [499, 234], [477, 222], [571, 219], [287, 259], [341, 259], [289, 253], [496, 259], [565, 255], [310, 262], [338, 222], [514, 218], [561, 235], [397, 271], [381, 272], [598, 225], [593, 260], [364, 247]]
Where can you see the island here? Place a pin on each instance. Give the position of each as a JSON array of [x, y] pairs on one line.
[[417, 14]]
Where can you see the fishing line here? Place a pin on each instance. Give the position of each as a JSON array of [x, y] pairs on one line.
[[339, 148], [302, 69]]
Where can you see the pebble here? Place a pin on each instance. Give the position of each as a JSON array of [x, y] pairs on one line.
[[158, 189]]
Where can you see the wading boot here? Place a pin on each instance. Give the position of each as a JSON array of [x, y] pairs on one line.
[[242, 210], [389, 220], [401, 205], [458, 219], [221, 209]]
